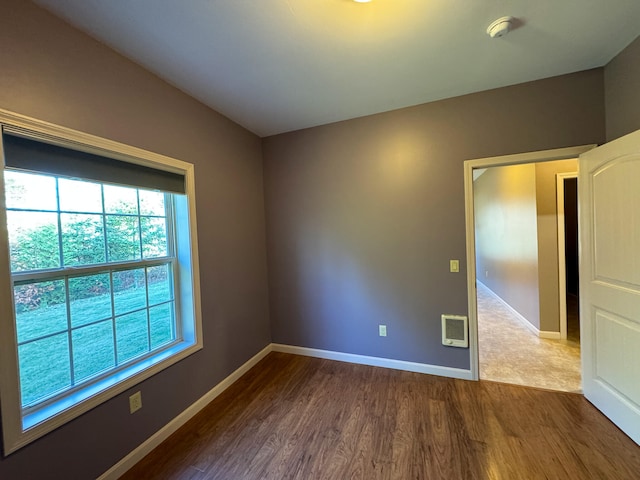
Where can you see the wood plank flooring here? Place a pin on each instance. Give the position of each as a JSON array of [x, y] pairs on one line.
[[294, 417]]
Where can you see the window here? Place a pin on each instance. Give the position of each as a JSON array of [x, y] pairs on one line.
[[101, 275]]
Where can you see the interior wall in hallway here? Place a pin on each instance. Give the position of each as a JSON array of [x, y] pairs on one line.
[[506, 236], [547, 219]]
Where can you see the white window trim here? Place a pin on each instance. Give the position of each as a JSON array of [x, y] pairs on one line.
[[15, 435]]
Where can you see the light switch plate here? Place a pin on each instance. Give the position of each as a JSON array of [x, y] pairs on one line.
[[454, 266]]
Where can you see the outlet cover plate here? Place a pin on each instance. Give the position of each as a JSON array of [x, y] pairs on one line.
[[135, 402]]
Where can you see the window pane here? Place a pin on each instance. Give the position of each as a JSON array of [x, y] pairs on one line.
[[44, 367], [129, 290], [80, 196], [120, 199], [30, 191], [151, 203], [159, 281], [40, 309], [123, 238], [93, 350], [82, 239], [90, 240], [154, 237], [33, 240], [132, 335], [90, 299], [161, 324]]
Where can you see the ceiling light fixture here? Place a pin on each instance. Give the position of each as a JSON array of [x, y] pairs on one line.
[[500, 27], [362, 1]]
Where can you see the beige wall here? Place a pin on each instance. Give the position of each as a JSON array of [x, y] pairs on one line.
[[506, 236], [546, 202], [54, 72]]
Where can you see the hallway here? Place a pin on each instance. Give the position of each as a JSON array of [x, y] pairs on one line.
[[511, 353]]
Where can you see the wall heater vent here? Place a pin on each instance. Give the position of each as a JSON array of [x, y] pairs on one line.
[[455, 331]]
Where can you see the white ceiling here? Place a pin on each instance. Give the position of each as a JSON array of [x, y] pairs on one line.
[[279, 65]]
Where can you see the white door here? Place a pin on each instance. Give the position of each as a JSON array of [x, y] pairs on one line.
[[609, 205]]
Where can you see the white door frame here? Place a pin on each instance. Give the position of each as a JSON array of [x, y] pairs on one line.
[[562, 267], [469, 166]]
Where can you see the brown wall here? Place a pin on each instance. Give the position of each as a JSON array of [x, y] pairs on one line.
[[507, 237], [622, 92], [364, 215], [53, 72], [548, 283]]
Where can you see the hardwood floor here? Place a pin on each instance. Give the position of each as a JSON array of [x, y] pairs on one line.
[[294, 417]]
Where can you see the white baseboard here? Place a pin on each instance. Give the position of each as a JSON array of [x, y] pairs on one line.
[[161, 435], [375, 361], [550, 335], [521, 318]]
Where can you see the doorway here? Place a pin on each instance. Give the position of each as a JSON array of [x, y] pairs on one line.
[[537, 331], [567, 208]]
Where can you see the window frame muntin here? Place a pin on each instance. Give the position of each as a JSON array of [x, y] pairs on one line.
[[73, 272], [14, 435]]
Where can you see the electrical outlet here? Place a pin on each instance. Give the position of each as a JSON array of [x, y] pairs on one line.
[[454, 266], [382, 330], [135, 402]]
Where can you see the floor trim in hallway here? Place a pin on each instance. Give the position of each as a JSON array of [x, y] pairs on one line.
[[511, 353]]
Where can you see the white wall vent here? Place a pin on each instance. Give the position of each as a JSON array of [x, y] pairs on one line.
[[455, 331]]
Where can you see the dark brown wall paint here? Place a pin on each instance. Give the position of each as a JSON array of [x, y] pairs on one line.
[[53, 72], [364, 215], [622, 92]]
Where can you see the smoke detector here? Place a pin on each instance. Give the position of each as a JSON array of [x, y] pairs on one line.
[[500, 27]]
